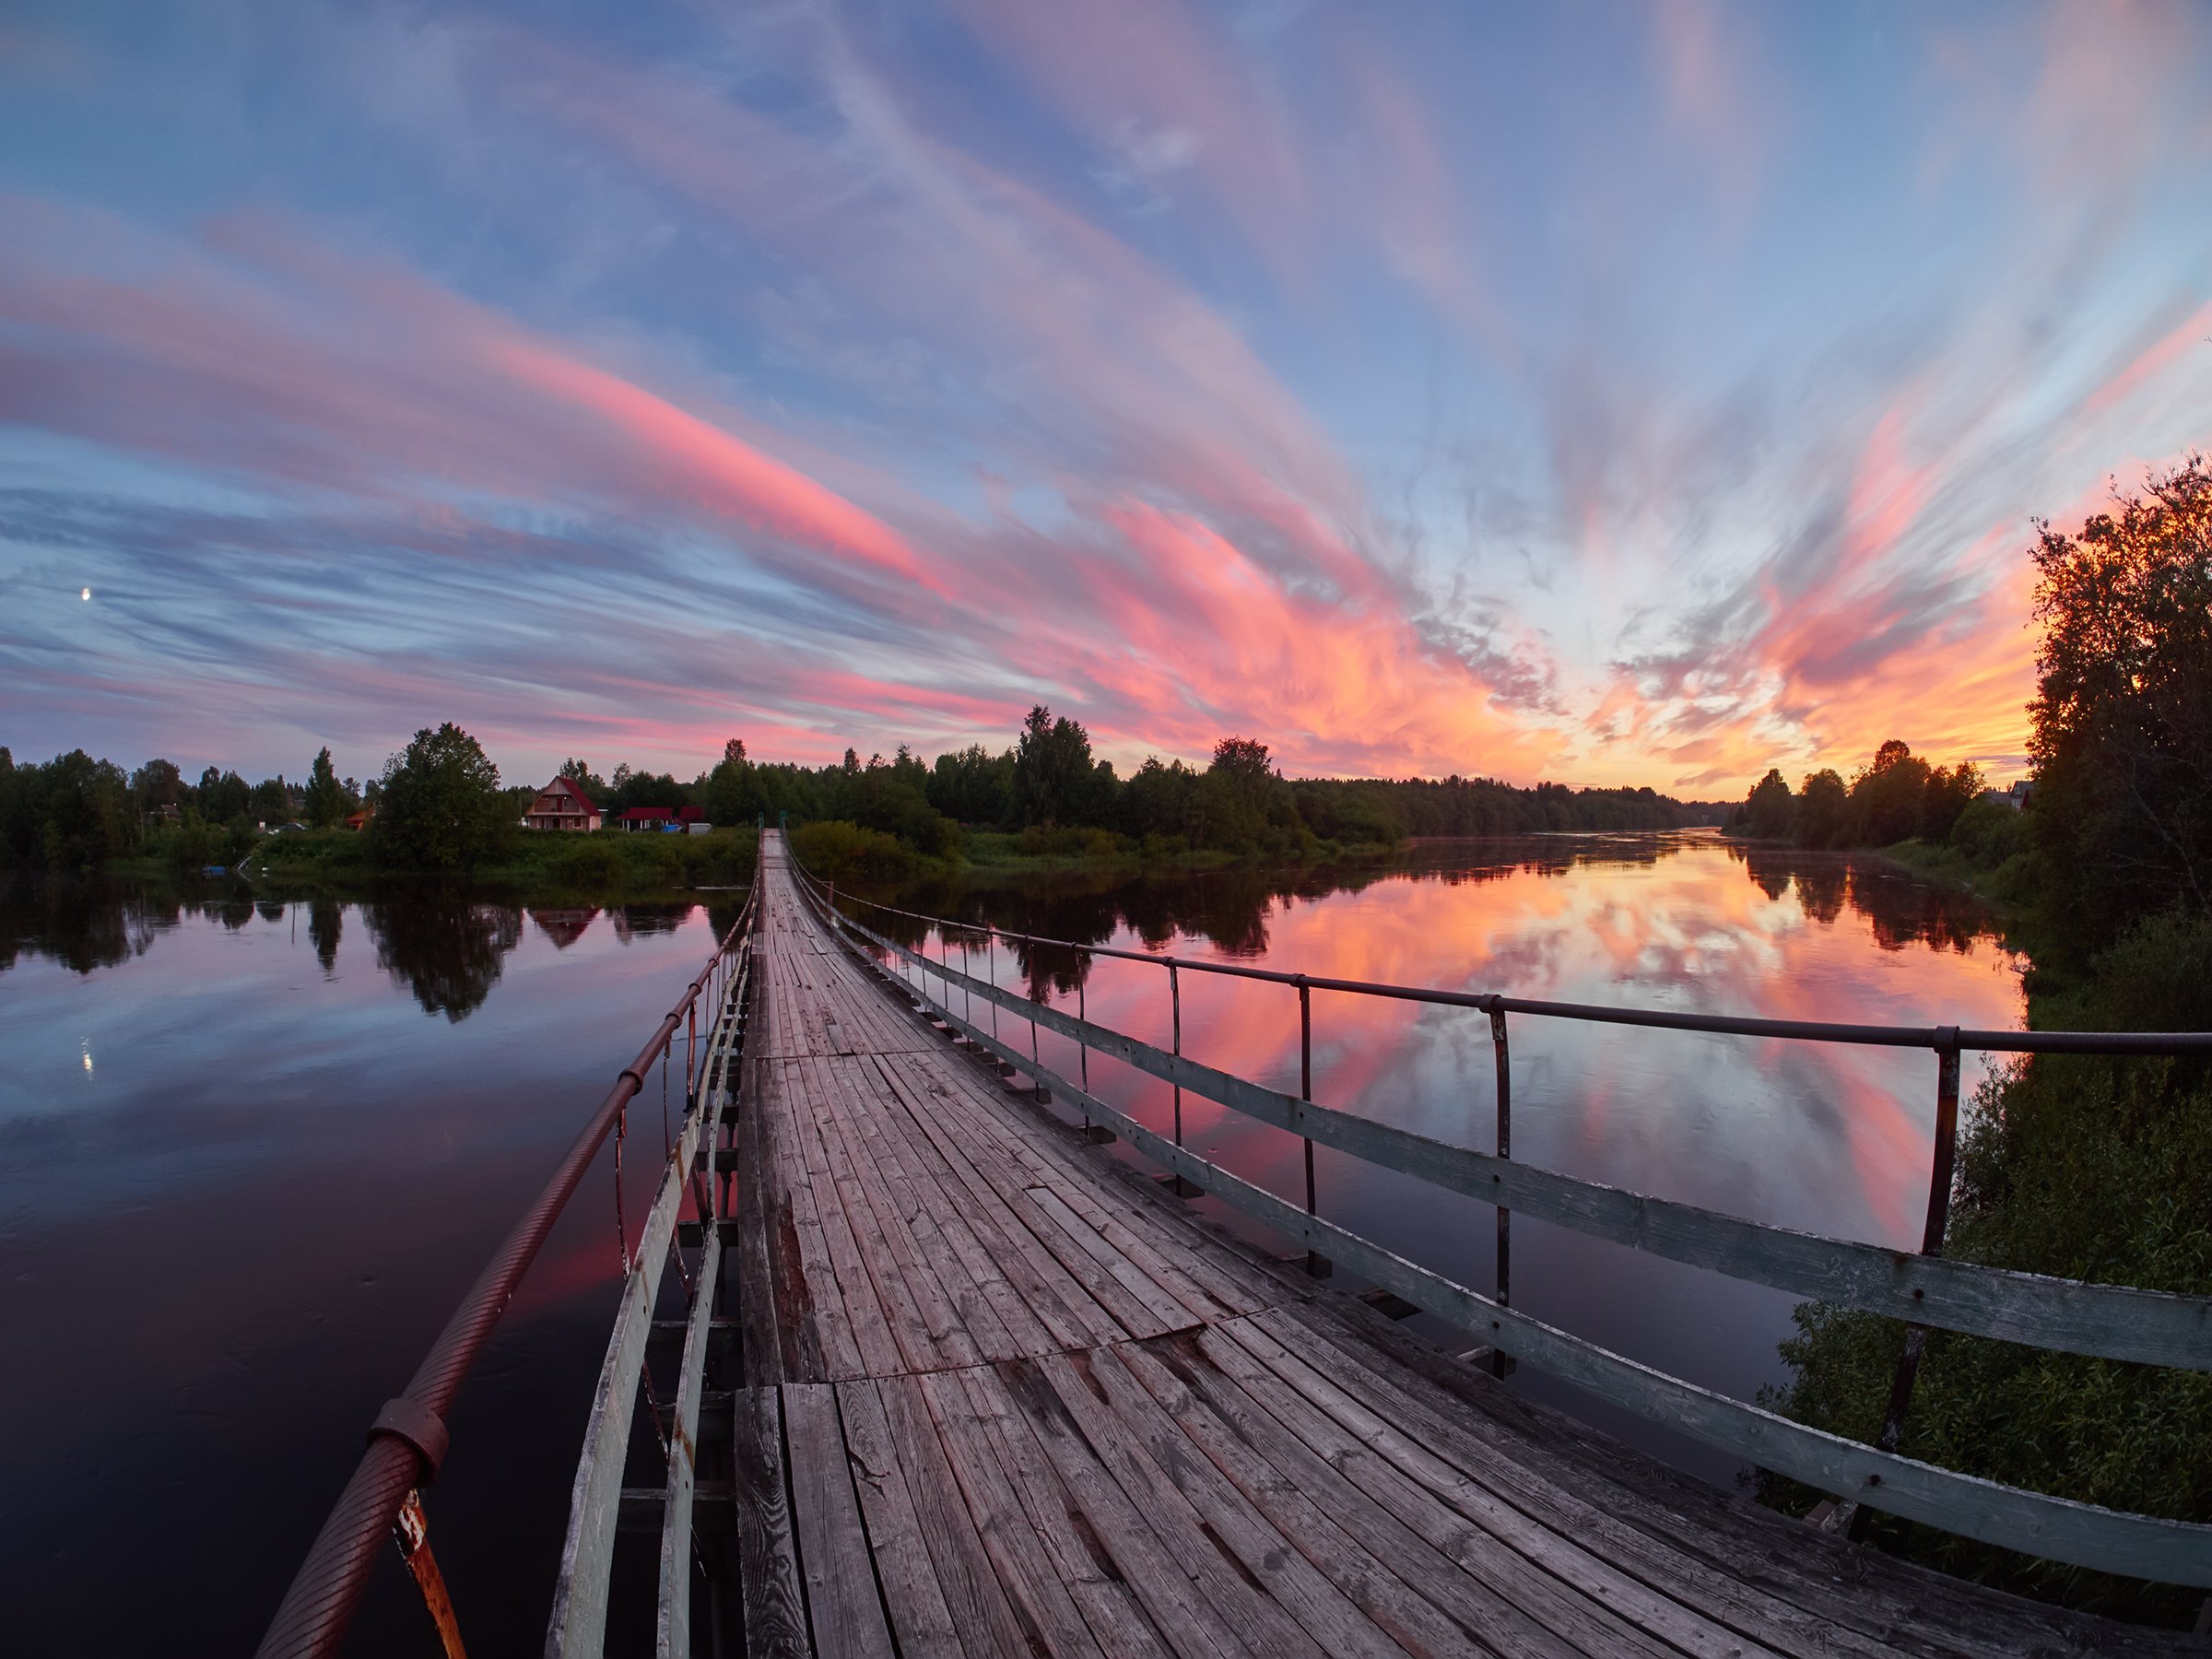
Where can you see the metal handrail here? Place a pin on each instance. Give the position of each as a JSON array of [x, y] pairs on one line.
[[409, 1440], [2018, 1518], [1808, 1030]]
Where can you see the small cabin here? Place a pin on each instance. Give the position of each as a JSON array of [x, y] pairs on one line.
[[561, 805], [646, 820]]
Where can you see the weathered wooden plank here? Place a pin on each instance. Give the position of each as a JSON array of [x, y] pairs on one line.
[[1052, 1296], [1017, 1550], [921, 1622], [1471, 1602], [826, 1296], [1662, 1616], [996, 1187], [861, 1110], [1024, 1332], [767, 1553], [1512, 1566], [1158, 1246], [757, 1341], [842, 1604], [1068, 1407], [1340, 1560], [1009, 1328], [875, 1349], [1905, 1608], [929, 1331], [1446, 1425], [1162, 1306], [2113, 1322], [1119, 1612], [988, 1622]]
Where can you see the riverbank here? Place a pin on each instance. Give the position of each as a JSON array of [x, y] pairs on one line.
[[604, 865], [1027, 850]]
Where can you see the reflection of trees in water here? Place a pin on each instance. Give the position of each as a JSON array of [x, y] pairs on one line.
[[448, 951], [1229, 909], [86, 922], [1900, 909], [325, 924], [723, 913]]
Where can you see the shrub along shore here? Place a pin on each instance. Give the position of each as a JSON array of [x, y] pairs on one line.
[[2079, 1167]]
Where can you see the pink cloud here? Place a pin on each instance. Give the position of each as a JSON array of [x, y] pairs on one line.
[[1190, 639], [719, 472], [2193, 338]]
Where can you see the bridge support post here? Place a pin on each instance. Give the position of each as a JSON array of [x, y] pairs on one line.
[[1502, 1364], [1175, 1184], [1319, 1266], [1942, 1162], [1175, 1014]]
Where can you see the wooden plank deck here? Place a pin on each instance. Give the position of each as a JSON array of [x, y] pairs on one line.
[[993, 1392]]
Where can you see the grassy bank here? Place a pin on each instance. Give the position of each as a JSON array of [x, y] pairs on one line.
[[608, 862], [837, 850]]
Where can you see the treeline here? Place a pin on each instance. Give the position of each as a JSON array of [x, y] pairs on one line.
[[441, 804], [1051, 787], [1896, 796], [74, 812]]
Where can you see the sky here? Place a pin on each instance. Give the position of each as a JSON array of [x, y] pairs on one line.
[[1616, 394]]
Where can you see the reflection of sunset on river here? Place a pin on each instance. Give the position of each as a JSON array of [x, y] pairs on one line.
[[1824, 1137]]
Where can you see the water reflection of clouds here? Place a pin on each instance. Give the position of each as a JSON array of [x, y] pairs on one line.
[[1820, 1135]]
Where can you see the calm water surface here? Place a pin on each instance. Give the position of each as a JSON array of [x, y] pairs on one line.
[[251, 1155]]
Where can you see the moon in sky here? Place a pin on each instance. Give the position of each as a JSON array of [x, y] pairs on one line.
[[86, 595]]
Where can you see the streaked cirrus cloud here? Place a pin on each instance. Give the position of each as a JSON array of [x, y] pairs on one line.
[[1508, 393]]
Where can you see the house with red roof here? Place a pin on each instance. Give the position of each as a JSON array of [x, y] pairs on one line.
[[561, 805]]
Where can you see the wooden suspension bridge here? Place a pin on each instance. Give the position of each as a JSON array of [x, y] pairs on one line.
[[951, 1377]]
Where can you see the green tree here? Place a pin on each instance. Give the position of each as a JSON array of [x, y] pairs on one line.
[[1239, 792], [1823, 809], [1052, 770], [441, 807], [223, 795], [1946, 793], [2121, 720], [581, 774], [1888, 797], [325, 805], [157, 784], [272, 800], [973, 785], [1769, 810]]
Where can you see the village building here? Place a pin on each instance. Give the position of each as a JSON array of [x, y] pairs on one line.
[[646, 819], [561, 805]]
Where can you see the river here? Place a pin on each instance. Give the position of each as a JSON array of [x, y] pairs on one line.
[[252, 1152]]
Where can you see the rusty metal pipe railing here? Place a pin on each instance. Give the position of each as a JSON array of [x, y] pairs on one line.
[[409, 1440]]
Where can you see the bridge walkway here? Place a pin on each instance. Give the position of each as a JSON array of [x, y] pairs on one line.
[[997, 1393]]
